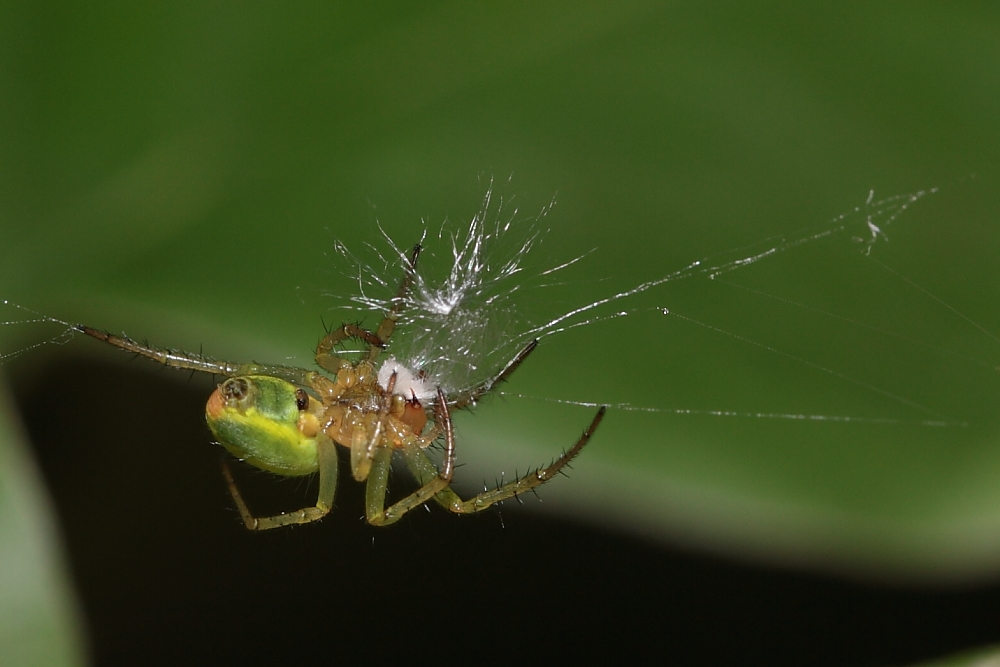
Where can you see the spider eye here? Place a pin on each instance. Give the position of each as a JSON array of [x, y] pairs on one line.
[[301, 400], [235, 388]]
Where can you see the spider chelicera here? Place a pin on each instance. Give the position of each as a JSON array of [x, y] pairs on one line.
[[287, 420]]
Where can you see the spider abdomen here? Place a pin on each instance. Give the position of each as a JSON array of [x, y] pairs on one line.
[[257, 419]]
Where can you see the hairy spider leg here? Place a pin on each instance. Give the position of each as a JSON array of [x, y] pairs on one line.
[[432, 484], [327, 453], [200, 363], [473, 395], [424, 469], [388, 324], [329, 360]]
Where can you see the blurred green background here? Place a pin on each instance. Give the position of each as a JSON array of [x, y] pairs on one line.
[[180, 171]]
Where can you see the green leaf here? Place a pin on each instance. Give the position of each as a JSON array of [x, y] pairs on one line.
[[39, 621], [180, 172]]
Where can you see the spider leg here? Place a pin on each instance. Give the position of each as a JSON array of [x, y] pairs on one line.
[[424, 470], [327, 453], [422, 467], [476, 393], [329, 360], [366, 443], [388, 324], [198, 362], [376, 511]]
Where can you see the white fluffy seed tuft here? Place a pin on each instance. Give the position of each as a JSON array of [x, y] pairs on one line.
[[409, 384]]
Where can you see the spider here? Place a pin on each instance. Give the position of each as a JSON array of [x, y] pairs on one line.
[[287, 420]]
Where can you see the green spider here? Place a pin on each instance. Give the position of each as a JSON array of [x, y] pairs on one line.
[[288, 420]]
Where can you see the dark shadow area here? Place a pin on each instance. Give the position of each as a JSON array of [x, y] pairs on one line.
[[168, 575]]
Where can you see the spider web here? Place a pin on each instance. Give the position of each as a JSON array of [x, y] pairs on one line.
[[463, 319]]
